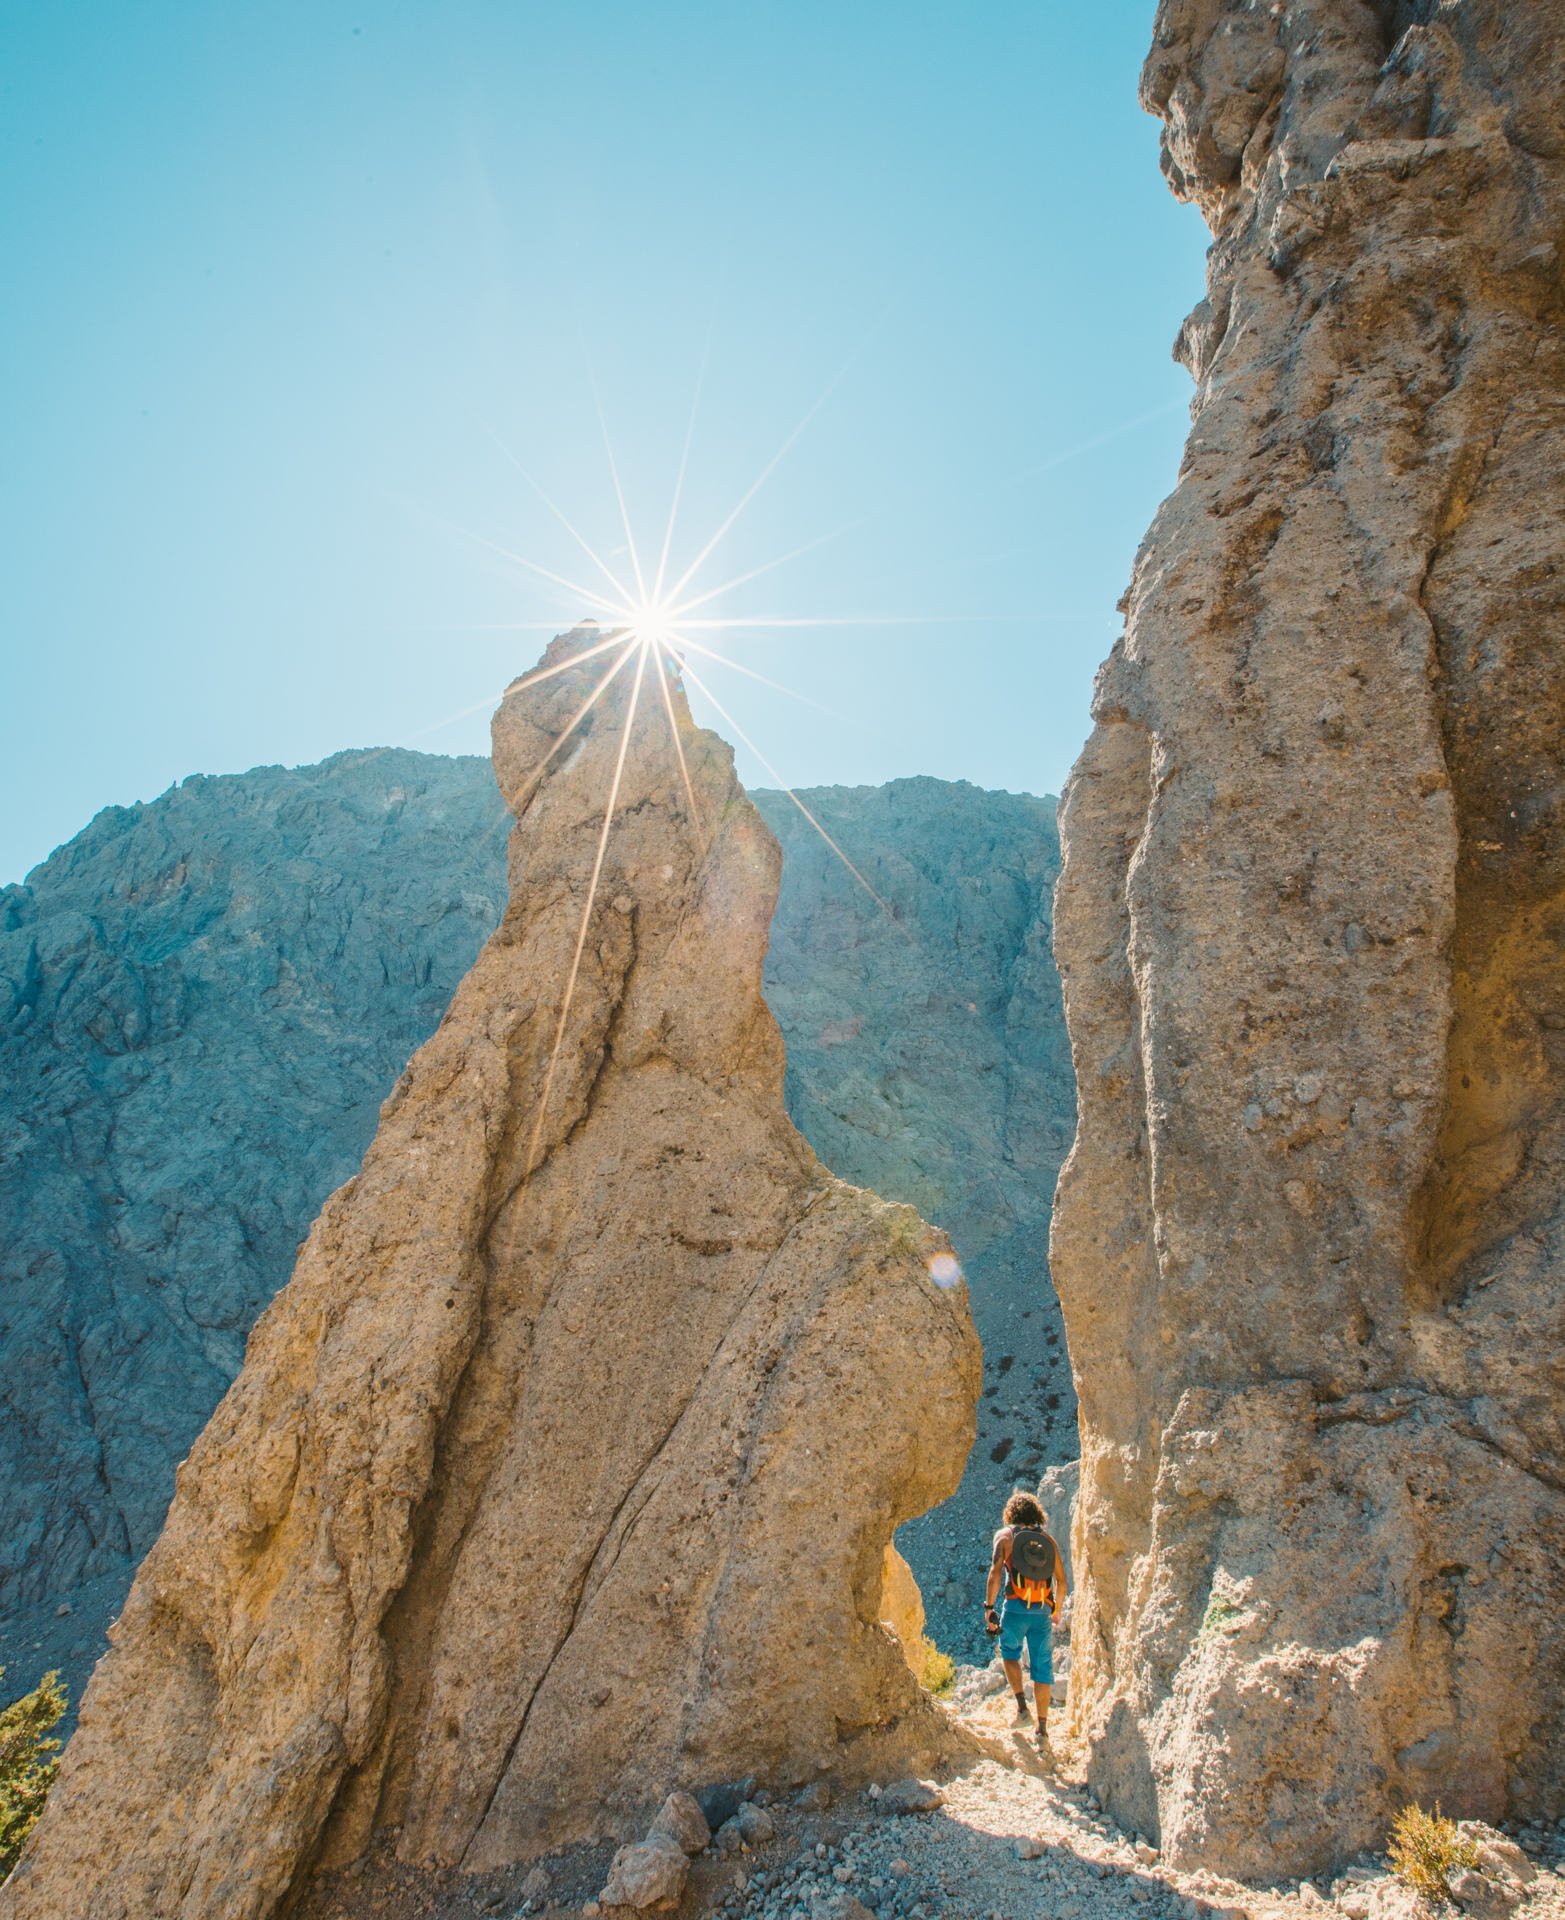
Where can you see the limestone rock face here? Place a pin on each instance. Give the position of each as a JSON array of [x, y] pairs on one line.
[[562, 1470], [204, 1000], [1310, 1242]]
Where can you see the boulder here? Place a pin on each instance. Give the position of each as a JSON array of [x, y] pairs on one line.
[[910, 1796], [648, 1874], [680, 1818], [1482, 1896], [1498, 1855], [1310, 1242], [563, 1468], [755, 1825]]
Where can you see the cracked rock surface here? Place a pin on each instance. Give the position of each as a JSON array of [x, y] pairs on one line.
[[1311, 923], [204, 1000], [562, 1470]]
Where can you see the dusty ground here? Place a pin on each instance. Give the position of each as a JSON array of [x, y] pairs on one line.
[[964, 1862]]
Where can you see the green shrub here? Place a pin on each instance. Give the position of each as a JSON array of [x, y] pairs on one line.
[[1219, 1611], [27, 1763], [936, 1670], [1425, 1848]]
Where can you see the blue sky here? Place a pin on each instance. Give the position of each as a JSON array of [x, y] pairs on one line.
[[293, 287]]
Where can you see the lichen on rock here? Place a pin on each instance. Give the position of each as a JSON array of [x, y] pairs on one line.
[[1311, 926], [561, 1472]]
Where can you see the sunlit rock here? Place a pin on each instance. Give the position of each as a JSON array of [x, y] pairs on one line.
[[1311, 926], [562, 1471]]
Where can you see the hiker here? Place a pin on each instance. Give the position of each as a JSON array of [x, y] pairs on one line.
[[1030, 1568]]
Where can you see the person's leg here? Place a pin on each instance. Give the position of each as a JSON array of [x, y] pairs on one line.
[[1040, 1657], [1013, 1624]]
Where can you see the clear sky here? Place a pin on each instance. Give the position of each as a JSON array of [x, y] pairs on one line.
[[293, 286]]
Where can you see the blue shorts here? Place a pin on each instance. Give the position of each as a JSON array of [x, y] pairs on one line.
[[1035, 1626]]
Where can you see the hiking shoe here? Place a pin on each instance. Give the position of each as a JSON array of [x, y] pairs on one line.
[[1045, 1751], [1022, 1717]]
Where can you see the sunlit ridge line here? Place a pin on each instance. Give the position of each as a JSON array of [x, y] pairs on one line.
[[696, 824], [529, 680], [586, 920], [707, 691], [684, 459], [535, 773], [682, 639], [770, 566], [563, 667], [619, 492], [592, 554], [540, 674]]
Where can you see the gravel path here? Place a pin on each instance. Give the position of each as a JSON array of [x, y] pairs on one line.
[[1012, 1841]]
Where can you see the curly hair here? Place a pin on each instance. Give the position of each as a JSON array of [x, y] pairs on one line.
[[1022, 1510]]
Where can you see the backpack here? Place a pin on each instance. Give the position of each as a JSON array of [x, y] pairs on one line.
[[1033, 1563]]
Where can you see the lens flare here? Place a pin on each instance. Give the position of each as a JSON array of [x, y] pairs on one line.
[[945, 1270]]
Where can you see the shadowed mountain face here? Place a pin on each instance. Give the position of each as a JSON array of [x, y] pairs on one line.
[[204, 1000]]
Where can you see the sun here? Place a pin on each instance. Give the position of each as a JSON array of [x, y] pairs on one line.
[[653, 623]]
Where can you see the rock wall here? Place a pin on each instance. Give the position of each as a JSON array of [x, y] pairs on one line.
[[927, 1059], [1310, 1242], [563, 1469], [204, 1000]]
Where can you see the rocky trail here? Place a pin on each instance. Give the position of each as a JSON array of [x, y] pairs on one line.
[[1005, 1838]]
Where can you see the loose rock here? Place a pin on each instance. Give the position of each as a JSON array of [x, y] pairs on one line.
[[682, 1820], [648, 1874]]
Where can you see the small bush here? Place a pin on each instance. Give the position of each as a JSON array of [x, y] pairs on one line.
[[27, 1763], [1219, 1611], [1425, 1848], [936, 1670]]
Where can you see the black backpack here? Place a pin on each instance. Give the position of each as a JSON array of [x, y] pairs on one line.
[[1034, 1560]]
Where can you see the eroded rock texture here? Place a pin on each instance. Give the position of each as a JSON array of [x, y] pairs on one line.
[[563, 1468], [1310, 1243], [204, 1000]]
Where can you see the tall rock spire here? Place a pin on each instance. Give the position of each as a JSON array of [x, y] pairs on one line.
[[1310, 1243], [562, 1470]]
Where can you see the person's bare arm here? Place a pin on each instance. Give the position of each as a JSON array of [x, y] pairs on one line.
[[1063, 1591], [996, 1570]]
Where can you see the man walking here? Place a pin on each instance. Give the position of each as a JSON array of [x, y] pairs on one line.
[[1030, 1569]]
